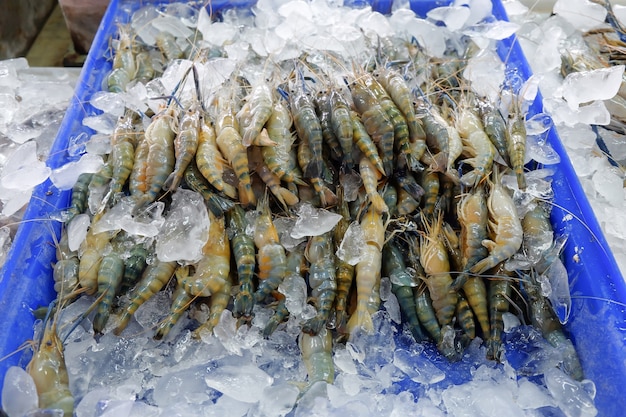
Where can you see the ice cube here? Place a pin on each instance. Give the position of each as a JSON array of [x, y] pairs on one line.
[[417, 367], [186, 228], [510, 321], [314, 221], [532, 396], [343, 361], [609, 183], [108, 102], [582, 14], [278, 400], [569, 395], [65, 177], [102, 123], [351, 248], [393, 308], [229, 380], [454, 17], [485, 71], [184, 386], [23, 169], [585, 86], [294, 288], [19, 393], [77, 230]]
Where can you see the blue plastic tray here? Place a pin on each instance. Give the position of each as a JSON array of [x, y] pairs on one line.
[[598, 319]]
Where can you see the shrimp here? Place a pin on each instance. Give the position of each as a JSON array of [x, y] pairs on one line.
[[442, 138], [280, 315], [122, 156], [134, 266], [400, 127], [278, 158], [434, 259], [230, 144], [213, 268], [271, 256], [90, 254], [160, 158], [271, 180], [153, 279], [476, 143], [406, 203], [364, 142], [327, 197], [49, 372], [430, 184], [472, 213], [407, 182], [370, 178], [65, 272], [465, 318], [402, 285], [242, 246], [80, 191], [110, 276], [219, 300], [124, 65], [309, 130], [323, 110], [166, 42], [424, 304], [322, 280], [516, 147], [505, 228], [145, 69], [344, 271], [499, 296], [254, 114], [368, 273], [376, 121], [341, 124], [217, 204], [543, 318], [395, 85], [209, 160], [185, 145], [180, 301], [496, 129], [317, 356]]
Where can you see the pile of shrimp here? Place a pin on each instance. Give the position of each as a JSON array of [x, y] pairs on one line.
[[399, 146]]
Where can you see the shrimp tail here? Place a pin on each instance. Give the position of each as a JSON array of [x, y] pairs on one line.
[[263, 139], [219, 205], [314, 169]]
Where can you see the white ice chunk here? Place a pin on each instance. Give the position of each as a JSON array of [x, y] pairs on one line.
[[510, 321], [108, 102], [560, 297], [539, 150], [230, 380], [497, 30], [343, 361], [314, 221], [14, 200], [582, 14], [148, 223], [351, 248], [102, 123], [294, 288], [609, 183], [591, 114], [429, 36], [454, 17], [619, 10], [532, 396], [77, 230], [585, 86], [173, 26], [569, 395], [485, 71], [19, 393], [417, 367], [65, 177], [24, 170], [186, 228], [278, 400], [393, 308]]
